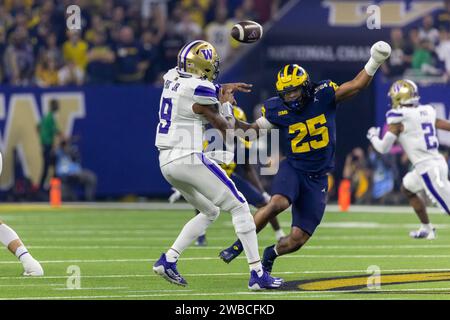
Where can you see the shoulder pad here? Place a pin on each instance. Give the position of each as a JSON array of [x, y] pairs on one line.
[[325, 84], [204, 92], [273, 103], [394, 116]]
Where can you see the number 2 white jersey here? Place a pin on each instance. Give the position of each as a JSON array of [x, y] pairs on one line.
[[180, 130], [418, 138]]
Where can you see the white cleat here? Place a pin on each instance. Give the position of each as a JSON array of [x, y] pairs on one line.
[[423, 234], [32, 268]]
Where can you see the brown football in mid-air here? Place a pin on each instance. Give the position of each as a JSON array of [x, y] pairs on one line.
[[247, 31]]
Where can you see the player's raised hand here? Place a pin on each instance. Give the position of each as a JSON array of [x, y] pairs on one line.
[[238, 86], [373, 132], [380, 51]]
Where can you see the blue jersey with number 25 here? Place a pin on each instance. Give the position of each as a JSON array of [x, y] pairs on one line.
[[310, 132]]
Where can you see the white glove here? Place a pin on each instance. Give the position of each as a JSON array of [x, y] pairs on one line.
[[373, 132], [226, 109], [176, 195], [379, 53]]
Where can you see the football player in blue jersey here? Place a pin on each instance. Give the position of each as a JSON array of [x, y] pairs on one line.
[[304, 113]]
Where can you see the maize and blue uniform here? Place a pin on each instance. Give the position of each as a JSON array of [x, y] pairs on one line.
[[310, 152]]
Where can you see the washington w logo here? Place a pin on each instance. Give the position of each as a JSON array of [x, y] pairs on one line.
[[207, 53]]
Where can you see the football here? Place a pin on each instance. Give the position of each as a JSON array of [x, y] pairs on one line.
[[247, 31]]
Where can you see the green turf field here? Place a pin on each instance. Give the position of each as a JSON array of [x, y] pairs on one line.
[[115, 250]]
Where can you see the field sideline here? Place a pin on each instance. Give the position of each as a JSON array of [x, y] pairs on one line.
[[115, 245]]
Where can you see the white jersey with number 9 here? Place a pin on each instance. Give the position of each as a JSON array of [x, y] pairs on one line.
[[180, 130]]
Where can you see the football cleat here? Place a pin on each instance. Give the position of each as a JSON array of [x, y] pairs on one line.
[[32, 268], [423, 234], [168, 270], [230, 253], [264, 282], [201, 241]]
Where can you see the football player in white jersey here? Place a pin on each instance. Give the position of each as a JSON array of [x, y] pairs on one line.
[[190, 100], [414, 126], [10, 239]]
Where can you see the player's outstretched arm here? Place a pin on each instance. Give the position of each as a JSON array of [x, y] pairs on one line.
[[252, 131], [443, 124], [379, 53], [385, 144], [219, 115], [237, 86]]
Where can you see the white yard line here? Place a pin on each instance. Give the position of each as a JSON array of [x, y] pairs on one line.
[[91, 289], [303, 294], [312, 247], [304, 256], [229, 238], [186, 206], [151, 275], [31, 285]]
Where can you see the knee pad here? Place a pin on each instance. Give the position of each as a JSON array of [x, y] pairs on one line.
[[242, 219]]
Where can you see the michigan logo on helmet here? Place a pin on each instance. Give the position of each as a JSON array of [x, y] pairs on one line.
[[199, 58], [293, 86], [404, 93]]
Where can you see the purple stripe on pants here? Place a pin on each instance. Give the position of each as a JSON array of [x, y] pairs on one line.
[[433, 191], [222, 176]]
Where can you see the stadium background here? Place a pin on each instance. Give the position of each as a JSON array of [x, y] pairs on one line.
[[110, 103]]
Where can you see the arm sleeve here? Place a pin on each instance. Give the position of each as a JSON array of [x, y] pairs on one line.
[[205, 93], [384, 145], [263, 123]]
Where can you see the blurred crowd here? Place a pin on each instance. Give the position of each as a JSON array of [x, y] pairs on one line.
[[376, 178], [121, 41], [422, 53]]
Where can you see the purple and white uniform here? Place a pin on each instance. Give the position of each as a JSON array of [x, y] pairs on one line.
[[420, 142], [179, 138]]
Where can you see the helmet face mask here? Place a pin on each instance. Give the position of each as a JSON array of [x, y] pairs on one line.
[[404, 93], [293, 86], [199, 58]]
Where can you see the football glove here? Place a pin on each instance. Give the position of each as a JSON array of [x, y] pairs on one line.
[[226, 109], [380, 51], [373, 132]]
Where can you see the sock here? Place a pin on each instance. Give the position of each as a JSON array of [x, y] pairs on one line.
[[22, 253], [257, 266], [172, 255], [271, 253], [427, 227], [191, 231], [250, 244], [279, 234], [237, 245], [7, 235]]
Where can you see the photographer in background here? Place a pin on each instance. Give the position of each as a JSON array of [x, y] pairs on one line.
[[355, 169]]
